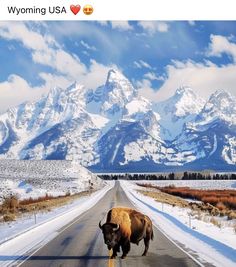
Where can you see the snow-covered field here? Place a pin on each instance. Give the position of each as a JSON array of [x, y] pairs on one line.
[[28, 236], [28, 178], [197, 184], [203, 240]]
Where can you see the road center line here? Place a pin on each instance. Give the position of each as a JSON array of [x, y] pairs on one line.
[[110, 261]]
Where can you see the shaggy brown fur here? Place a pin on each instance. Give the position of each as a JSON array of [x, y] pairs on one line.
[[133, 226], [120, 215]]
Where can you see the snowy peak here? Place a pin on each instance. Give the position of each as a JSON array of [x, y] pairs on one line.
[[221, 105], [185, 102], [137, 108], [115, 94], [222, 100], [182, 90], [179, 109], [117, 85]]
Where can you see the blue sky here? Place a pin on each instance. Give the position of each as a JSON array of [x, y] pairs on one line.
[[156, 56]]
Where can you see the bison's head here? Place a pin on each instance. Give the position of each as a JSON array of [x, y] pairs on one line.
[[111, 234]]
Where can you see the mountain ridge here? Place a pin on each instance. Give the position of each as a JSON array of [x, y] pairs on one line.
[[112, 127]]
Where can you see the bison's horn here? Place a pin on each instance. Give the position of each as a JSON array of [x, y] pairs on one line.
[[116, 228], [100, 225]]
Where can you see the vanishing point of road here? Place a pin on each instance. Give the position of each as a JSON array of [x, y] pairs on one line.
[[80, 244]]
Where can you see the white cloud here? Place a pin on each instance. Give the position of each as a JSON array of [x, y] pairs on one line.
[[96, 74], [145, 89], [52, 81], [30, 39], [86, 53], [154, 26], [87, 46], [220, 44], [121, 25], [47, 52], [103, 22], [203, 78], [152, 76], [16, 90], [191, 23], [141, 64]]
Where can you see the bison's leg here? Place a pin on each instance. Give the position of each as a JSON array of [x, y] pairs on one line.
[[115, 250], [146, 243], [125, 248]]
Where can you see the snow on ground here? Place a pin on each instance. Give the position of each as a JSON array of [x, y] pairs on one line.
[[197, 184], [29, 237], [212, 244], [28, 178]]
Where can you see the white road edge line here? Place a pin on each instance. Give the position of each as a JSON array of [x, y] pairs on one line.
[[59, 232]]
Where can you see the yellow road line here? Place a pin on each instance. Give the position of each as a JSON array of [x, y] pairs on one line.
[[110, 261]]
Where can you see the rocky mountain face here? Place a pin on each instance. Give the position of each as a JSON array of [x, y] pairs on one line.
[[112, 128]]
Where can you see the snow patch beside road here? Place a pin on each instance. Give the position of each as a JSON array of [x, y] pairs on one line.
[[206, 243], [34, 238]]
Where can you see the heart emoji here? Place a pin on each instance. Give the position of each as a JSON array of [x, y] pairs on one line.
[[75, 9]]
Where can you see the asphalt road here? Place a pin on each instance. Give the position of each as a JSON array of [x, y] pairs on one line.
[[81, 244]]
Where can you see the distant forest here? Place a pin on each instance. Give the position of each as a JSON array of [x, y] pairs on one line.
[[170, 176]]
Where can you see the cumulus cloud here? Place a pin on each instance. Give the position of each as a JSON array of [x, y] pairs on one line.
[[221, 45], [203, 78], [145, 89], [154, 26], [47, 52], [61, 61], [19, 31], [16, 90]]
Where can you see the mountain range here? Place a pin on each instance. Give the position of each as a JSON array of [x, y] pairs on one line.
[[113, 128]]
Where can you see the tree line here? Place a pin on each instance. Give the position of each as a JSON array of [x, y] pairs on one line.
[[169, 176]]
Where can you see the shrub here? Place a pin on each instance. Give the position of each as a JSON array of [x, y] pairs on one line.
[[231, 215], [9, 217], [10, 203], [215, 222]]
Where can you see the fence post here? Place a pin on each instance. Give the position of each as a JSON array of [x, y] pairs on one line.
[[35, 219]]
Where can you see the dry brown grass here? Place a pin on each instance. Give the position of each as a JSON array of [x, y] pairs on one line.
[[165, 198], [46, 203], [222, 198], [9, 217], [215, 222], [214, 202]]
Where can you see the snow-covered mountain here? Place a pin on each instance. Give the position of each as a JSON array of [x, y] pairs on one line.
[[212, 135], [179, 109], [113, 128]]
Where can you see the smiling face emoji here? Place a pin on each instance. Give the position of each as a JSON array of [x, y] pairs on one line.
[[88, 10]]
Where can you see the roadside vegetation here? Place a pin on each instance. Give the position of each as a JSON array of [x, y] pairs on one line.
[[12, 207], [218, 203]]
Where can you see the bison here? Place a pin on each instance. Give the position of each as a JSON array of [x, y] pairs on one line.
[[124, 225]]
